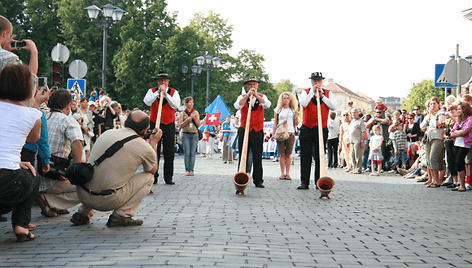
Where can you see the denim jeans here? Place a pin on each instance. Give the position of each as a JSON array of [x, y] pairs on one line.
[[189, 142]]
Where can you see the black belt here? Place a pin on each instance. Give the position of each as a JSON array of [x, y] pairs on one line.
[[102, 192], [191, 133]]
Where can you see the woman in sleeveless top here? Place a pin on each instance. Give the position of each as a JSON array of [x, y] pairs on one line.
[[286, 112], [189, 123]]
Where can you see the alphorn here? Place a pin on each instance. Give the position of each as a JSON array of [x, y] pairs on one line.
[[159, 111], [325, 184], [242, 179]]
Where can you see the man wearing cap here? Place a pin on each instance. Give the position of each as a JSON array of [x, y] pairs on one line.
[[170, 103], [309, 129], [256, 132], [383, 122]]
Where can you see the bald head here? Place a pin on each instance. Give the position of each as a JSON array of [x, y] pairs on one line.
[[138, 121]]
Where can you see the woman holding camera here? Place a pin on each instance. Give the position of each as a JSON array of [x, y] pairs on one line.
[[189, 123], [462, 132], [18, 182]]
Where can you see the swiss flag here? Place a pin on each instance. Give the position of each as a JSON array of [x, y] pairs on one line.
[[213, 119]]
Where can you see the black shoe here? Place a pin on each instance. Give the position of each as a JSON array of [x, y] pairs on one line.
[[302, 187], [122, 221], [260, 186], [79, 219], [3, 219], [170, 182]]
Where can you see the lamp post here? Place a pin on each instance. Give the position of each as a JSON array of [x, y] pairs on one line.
[[196, 71], [112, 16], [208, 60]]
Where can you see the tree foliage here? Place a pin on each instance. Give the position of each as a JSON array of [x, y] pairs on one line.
[[146, 41], [420, 93]]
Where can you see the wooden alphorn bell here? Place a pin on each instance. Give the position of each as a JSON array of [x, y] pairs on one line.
[[242, 179], [325, 184]]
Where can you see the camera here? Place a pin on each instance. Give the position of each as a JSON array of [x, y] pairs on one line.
[[18, 44], [42, 82], [148, 133]]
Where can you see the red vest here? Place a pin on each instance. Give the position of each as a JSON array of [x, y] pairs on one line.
[[310, 112], [257, 117], [168, 113]]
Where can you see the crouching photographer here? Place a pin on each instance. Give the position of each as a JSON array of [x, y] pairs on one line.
[[115, 184]]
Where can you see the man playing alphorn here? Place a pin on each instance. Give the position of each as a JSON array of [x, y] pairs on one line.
[[309, 129], [170, 103], [256, 132]]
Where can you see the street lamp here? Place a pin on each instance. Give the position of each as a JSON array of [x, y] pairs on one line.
[[196, 71], [112, 16], [208, 60]]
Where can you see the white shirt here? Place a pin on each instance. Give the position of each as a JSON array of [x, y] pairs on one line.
[[265, 105], [174, 101], [333, 129], [286, 115], [17, 122], [306, 98]]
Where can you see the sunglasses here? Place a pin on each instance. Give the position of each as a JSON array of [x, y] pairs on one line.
[[345, 115], [378, 112], [416, 109]]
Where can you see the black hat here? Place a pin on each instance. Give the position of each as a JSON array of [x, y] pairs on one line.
[[161, 75], [317, 76], [251, 79]]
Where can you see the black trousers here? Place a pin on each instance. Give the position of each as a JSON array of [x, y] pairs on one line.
[[450, 156], [168, 150], [308, 144], [18, 190], [255, 143], [333, 152]]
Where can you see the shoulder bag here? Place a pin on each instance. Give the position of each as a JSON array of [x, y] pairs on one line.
[[81, 173]]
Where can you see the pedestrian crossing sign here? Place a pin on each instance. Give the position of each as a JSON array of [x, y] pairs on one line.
[[77, 86], [440, 77]]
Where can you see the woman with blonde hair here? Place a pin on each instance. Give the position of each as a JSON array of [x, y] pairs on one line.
[[286, 112]]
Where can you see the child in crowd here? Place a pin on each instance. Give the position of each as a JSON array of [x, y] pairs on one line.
[[375, 146], [399, 144], [379, 105]]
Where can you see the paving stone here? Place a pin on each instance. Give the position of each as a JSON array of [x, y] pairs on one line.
[[384, 221]]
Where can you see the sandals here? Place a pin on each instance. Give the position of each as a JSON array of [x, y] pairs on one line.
[[45, 209], [285, 177], [24, 237]]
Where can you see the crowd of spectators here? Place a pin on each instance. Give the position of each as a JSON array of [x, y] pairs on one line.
[[432, 147]]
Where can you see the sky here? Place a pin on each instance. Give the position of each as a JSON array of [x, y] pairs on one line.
[[379, 48]]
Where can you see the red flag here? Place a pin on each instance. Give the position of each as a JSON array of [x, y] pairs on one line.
[[213, 119]]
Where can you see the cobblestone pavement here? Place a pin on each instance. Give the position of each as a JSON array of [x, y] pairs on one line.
[[384, 221]]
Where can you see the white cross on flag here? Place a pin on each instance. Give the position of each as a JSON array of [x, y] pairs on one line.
[[213, 119]]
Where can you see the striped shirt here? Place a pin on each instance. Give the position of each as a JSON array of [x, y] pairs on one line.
[[7, 57]]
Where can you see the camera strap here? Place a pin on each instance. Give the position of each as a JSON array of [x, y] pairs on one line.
[[113, 149]]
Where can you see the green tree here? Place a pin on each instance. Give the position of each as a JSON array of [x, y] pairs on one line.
[[143, 52], [285, 85], [420, 93]]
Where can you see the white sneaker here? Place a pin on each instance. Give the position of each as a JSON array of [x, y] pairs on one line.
[[468, 187]]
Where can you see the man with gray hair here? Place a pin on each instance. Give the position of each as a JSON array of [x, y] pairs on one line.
[[6, 39], [357, 135]]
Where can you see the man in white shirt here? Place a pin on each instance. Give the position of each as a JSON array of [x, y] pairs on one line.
[[6, 38], [167, 125]]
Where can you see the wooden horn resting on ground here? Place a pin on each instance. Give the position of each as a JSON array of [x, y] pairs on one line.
[[242, 179], [325, 184]]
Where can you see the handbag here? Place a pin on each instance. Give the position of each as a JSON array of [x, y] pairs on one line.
[[281, 132], [81, 173]]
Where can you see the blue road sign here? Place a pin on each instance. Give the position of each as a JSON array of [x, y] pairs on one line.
[[77, 85], [439, 77]]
